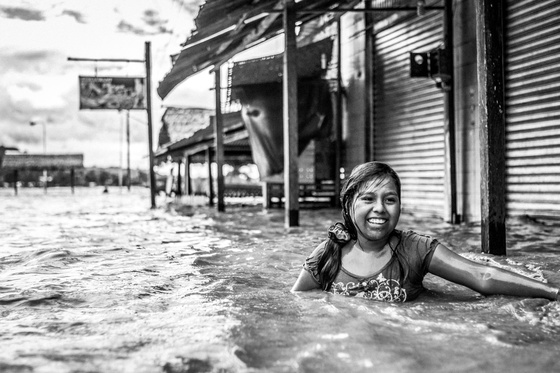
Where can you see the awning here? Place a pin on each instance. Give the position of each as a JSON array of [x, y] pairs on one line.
[[225, 28], [312, 62], [236, 143]]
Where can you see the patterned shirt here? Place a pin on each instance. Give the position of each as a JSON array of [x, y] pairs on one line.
[[399, 280]]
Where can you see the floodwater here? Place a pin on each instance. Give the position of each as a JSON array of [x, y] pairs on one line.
[[95, 282]]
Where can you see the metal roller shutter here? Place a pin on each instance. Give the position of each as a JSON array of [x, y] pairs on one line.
[[409, 114], [532, 78]]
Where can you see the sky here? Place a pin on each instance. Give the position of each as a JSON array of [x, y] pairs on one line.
[[38, 83]]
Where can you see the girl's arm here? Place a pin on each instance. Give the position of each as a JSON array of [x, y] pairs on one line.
[[305, 282], [485, 279]]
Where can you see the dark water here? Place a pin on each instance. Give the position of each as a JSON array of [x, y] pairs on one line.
[[100, 283]]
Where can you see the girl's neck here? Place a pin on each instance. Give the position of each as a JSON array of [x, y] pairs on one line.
[[374, 247]]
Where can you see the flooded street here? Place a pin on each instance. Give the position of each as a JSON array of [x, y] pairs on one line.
[[95, 282]]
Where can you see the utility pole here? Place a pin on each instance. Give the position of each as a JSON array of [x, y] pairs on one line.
[[147, 61]]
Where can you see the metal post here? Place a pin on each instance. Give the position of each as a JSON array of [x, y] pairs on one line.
[[150, 135], [128, 176], [338, 121], [210, 184], [15, 181], [368, 78], [121, 155], [219, 143], [45, 173], [290, 113], [188, 187], [72, 175], [449, 119], [491, 103], [179, 179]]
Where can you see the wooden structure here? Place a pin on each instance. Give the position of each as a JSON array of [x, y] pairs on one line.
[[200, 146], [485, 128], [41, 162], [256, 85], [219, 16]]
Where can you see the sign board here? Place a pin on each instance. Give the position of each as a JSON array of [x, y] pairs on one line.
[[119, 93]]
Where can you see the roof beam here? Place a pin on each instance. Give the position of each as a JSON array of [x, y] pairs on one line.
[[253, 36]]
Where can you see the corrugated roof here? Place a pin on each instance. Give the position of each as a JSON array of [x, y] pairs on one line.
[[235, 135], [180, 123], [227, 27], [270, 69], [42, 161]]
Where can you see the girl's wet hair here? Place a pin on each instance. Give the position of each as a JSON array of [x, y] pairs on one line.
[[360, 177]]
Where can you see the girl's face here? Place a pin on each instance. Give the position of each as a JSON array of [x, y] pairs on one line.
[[376, 209]]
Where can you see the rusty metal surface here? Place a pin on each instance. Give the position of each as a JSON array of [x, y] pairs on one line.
[[227, 27], [532, 85]]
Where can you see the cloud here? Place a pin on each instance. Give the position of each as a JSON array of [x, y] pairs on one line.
[[22, 14], [38, 82], [155, 25], [153, 19], [40, 61], [79, 17], [124, 26]]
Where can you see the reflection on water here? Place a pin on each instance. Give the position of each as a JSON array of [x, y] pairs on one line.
[[97, 282]]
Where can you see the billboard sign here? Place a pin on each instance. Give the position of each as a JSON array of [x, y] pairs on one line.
[[120, 93]]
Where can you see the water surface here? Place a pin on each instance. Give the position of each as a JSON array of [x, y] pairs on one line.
[[95, 282]]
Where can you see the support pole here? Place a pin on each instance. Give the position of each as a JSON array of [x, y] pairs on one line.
[[338, 121], [121, 155], [449, 119], [179, 179], [148, 60], [368, 78], [219, 143], [188, 185], [290, 113], [72, 181], [210, 183], [45, 172], [489, 36], [15, 182], [128, 176], [46, 178]]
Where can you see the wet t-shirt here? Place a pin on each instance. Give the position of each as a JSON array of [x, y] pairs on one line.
[[399, 280]]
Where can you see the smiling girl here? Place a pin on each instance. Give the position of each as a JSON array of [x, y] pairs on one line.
[[367, 257]]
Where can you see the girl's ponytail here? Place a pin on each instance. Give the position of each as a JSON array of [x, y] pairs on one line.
[[329, 263]]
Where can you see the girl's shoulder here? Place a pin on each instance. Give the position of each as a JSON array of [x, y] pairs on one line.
[[416, 242], [311, 263]]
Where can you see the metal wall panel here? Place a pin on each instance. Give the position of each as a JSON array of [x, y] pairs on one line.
[[532, 77], [409, 113]]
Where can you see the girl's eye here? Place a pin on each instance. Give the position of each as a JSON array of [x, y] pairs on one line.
[[367, 198], [391, 200]]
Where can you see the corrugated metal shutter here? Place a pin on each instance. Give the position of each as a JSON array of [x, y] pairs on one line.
[[409, 114], [533, 107]]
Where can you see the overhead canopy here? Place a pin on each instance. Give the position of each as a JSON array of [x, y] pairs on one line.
[[236, 144], [225, 28], [180, 123], [257, 85], [311, 63]]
